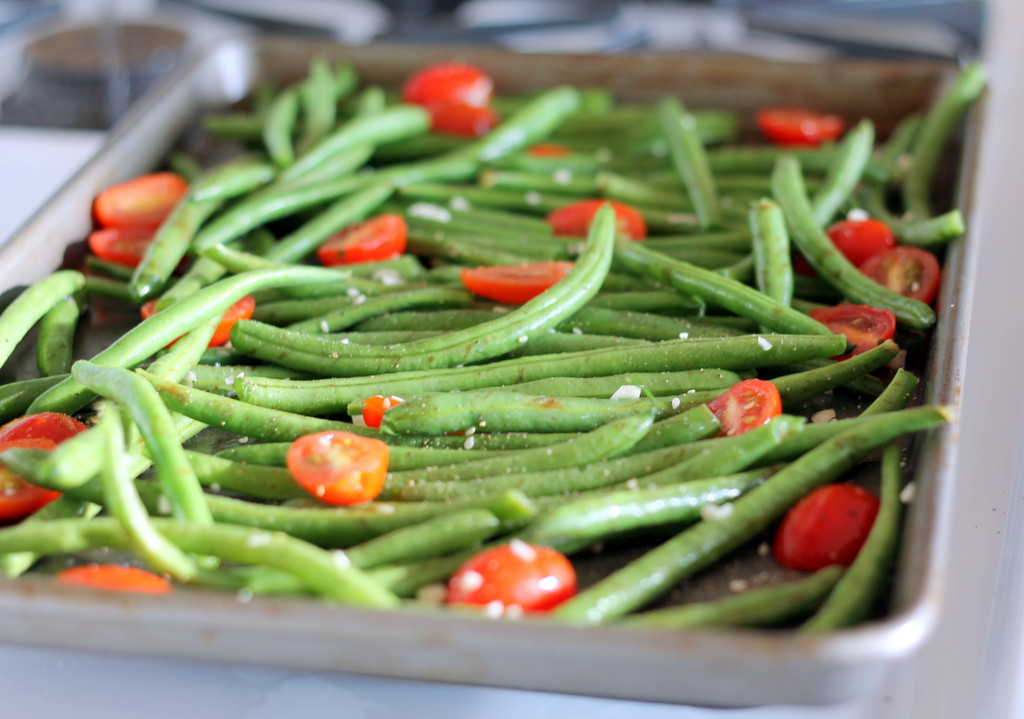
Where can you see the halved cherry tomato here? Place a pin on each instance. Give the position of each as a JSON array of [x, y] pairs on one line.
[[457, 118], [911, 271], [746, 405], [865, 327], [374, 408], [53, 426], [795, 126], [531, 577], [575, 219], [379, 238], [123, 245], [115, 577], [860, 239], [339, 467], [140, 202], [548, 149], [828, 526], [513, 284], [19, 498], [446, 83], [241, 310]]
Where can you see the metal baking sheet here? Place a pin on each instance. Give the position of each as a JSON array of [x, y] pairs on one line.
[[702, 667]]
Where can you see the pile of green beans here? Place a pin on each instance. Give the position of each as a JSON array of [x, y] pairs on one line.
[[577, 419]]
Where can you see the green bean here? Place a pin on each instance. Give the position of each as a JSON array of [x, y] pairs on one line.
[[932, 232], [844, 172], [655, 572], [601, 516], [279, 126], [706, 285], [318, 101], [32, 304], [608, 440], [142, 403], [388, 125], [765, 606], [111, 270], [559, 182], [14, 564], [319, 570], [896, 394], [730, 353], [437, 536], [15, 397], [774, 272], [234, 125], [802, 386], [464, 249], [597, 320], [112, 289], [184, 354], [232, 179], [829, 262], [346, 317], [470, 345], [202, 273], [934, 133], [858, 591], [687, 152], [169, 246], [124, 504], [694, 424], [239, 417], [55, 344], [166, 326], [251, 480], [657, 383]]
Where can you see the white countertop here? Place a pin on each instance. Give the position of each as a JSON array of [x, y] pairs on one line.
[[970, 667]]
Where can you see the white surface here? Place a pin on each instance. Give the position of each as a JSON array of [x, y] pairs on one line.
[[33, 165], [969, 668]]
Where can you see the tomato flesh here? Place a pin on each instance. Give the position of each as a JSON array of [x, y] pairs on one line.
[[380, 238], [911, 271], [52, 426], [374, 408], [798, 127], [513, 284], [339, 467], [530, 577], [241, 310], [19, 498], [828, 526], [548, 149], [114, 577], [859, 240], [865, 327], [574, 220], [446, 83], [746, 405], [121, 245], [463, 120], [144, 201]]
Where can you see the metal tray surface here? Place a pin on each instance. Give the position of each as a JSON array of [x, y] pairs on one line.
[[735, 668]]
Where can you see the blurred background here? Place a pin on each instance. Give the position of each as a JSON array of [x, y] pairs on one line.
[[80, 63]]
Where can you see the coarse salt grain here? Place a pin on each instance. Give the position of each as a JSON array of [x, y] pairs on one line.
[[514, 611], [684, 335], [675, 403], [627, 391], [633, 484], [341, 559], [324, 327], [681, 218], [824, 415], [432, 593], [764, 549], [908, 493], [715, 512], [737, 586], [763, 343], [429, 211], [470, 581], [459, 203], [163, 505], [524, 339], [561, 176], [358, 421], [532, 198], [353, 292], [244, 595], [389, 277], [258, 539], [494, 609], [470, 441], [857, 214]]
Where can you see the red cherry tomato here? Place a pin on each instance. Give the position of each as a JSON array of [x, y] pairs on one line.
[[746, 405], [114, 577], [464, 120], [860, 239], [574, 220], [339, 467], [826, 527], [794, 126], [374, 408], [533, 578], [911, 271], [52, 426], [379, 238], [447, 83], [140, 202], [123, 245], [513, 284], [241, 310], [865, 327], [548, 149], [19, 498]]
